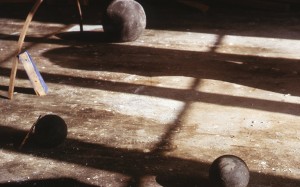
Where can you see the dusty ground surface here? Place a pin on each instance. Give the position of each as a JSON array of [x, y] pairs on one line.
[[157, 111]]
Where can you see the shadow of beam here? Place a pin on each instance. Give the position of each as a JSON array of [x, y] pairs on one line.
[[129, 162], [168, 93], [51, 182], [120, 160], [267, 73]]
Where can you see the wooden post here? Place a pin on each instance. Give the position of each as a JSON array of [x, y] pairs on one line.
[[29, 133], [19, 48], [80, 15]]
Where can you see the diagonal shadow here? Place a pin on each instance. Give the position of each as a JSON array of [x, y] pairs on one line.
[[130, 162], [139, 68], [267, 73], [66, 182], [171, 93]]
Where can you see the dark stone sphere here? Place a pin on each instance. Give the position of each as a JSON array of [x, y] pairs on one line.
[[229, 171], [125, 20], [49, 131]]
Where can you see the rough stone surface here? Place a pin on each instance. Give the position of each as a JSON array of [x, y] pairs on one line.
[[159, 110]]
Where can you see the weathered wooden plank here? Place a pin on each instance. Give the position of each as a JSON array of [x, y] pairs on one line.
[[33, 73]]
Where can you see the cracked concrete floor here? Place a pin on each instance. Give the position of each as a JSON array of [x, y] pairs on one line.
[[159, 110]]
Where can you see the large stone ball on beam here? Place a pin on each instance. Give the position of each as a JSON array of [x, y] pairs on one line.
[[229, 171], [49, 131], [125, 20]]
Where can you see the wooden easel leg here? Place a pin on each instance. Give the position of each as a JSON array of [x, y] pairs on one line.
[[13, 78], [80, 15], [20, 44]]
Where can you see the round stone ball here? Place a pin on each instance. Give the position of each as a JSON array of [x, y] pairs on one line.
[[125, 20], [49, 131], [229, 171]]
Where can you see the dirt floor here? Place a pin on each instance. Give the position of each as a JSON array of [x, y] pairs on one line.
[[159, 110]]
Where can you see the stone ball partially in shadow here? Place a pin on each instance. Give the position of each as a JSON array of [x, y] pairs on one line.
[[229, 171], [125, 20], [49, 131]]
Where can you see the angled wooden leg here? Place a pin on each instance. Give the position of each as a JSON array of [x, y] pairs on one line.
[[19, 48], [80, 15]]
